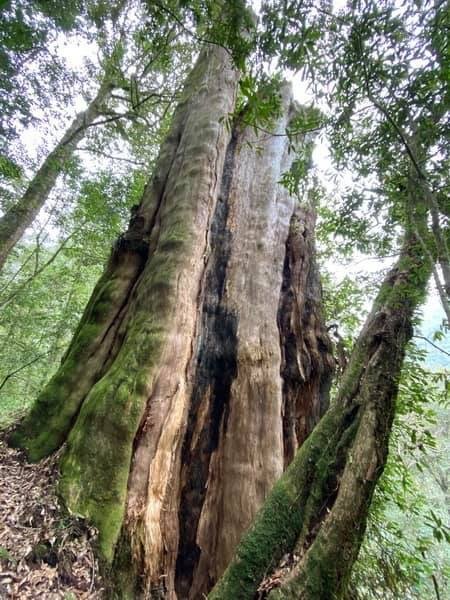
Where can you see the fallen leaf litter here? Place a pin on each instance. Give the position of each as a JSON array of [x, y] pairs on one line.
[[43, 552]]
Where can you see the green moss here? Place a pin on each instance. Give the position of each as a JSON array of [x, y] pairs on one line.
[[324, 573], [278, 525], [5, 555], [103, 415], [123, 576], [329, 468], [46, 427], [96, 464]]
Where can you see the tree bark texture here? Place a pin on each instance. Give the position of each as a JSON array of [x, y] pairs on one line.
[[317, 511], [22, 214], [201, 362]]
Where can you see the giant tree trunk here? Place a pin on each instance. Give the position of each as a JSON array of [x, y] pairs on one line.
[[201, 362], [22, 214], [317, 511]]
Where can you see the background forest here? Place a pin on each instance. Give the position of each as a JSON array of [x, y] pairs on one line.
[[388, 74]]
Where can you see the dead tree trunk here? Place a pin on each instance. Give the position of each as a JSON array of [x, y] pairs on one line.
[[22, 214], [317, 511], [201, 362]]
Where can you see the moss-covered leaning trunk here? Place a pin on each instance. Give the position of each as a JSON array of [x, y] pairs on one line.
[[201, 361], [317, 511], [22, 214]]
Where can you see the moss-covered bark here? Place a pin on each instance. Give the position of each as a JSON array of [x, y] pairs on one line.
[[99, 393], [49, 422], [319, 507], [171, 398], [22, 214]]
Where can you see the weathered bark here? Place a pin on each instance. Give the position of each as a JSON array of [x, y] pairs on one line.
[[201, 362], [22, 214], [318, 509]]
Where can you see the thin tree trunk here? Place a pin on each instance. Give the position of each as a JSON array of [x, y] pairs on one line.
[[22, 214], [201, 362], [317, 511]]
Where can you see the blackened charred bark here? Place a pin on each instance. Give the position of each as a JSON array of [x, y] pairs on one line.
[[306, 355], [249, 456], [215, 370]]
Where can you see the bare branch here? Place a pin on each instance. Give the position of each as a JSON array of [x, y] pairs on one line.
[[37, 272], [22, 367], [111, 157], [422, 337]]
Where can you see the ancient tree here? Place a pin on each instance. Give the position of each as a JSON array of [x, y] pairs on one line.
[[191, 406], [201, 362]]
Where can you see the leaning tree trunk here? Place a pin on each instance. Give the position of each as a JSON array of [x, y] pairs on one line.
[[22, 214], [201, 362], [316, 513]]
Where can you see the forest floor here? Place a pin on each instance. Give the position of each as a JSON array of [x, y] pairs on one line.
[[44, 553]]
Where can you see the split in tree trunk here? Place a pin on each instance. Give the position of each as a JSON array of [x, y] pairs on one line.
[[318, 509], [201, 362], [22, 214]]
